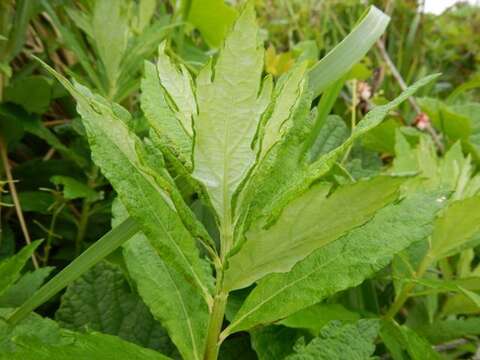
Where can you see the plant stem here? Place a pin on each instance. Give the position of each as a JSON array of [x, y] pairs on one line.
[[16, 200], [407, 289], [215, 326]]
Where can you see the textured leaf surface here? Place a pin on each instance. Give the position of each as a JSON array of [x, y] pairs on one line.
[[161, 117], [315, 317], [36, 338], [286, 172], [172, 301], [341, 342], [174, 250], [341, 264], [101, 300], [274, 342], [229, 110], [10, 268], [309, 222]]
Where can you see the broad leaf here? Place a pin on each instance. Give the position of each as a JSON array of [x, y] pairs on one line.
[[275, 342], [401, 338], [171, 300], [101, 300], [315, 317], [213, 18], [457, 228], [333, 338], [114, 149], [311, 221], [41, 339], [442, 331], [230, 104], [341, 264]]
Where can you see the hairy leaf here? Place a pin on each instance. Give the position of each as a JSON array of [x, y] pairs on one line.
[[101, 300], [341, 341], [341, 264], [309, 222], [229, 110]]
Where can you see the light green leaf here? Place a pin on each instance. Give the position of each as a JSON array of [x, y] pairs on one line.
[[457, 228], [101, 300], [333, 340], [111, 37], [24, 288], [178, 83], [286, 172], [172, 300], [213, 18], [11, 267], [74, 189], [341, 264], [162, 119], [315, 317], [286, 97], [114, 148], [229, 110], [349, 51], [310, 222]]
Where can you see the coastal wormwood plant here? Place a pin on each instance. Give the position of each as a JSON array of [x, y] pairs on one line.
[[228, 192]]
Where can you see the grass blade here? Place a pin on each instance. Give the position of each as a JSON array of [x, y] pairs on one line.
[[99, 250], [349, 51]]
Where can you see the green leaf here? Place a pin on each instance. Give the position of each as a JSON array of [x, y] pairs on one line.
[[341, 264], [457, 228], [178, 83], [111, 36], [401, 338], [315, 317], [139, 186], [24, 288], [101, 300], [96, 252], [33, 93], [275, 342], [442, 331], [162, 119], [11, 267], [213, 18], [332, 134], [310, 222], [172, 300], [333, 340], [74, 189], [286, 172], [41, 339], [349, 51], [230, 104]]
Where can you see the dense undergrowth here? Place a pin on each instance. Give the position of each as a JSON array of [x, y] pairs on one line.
[[261, 180]]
